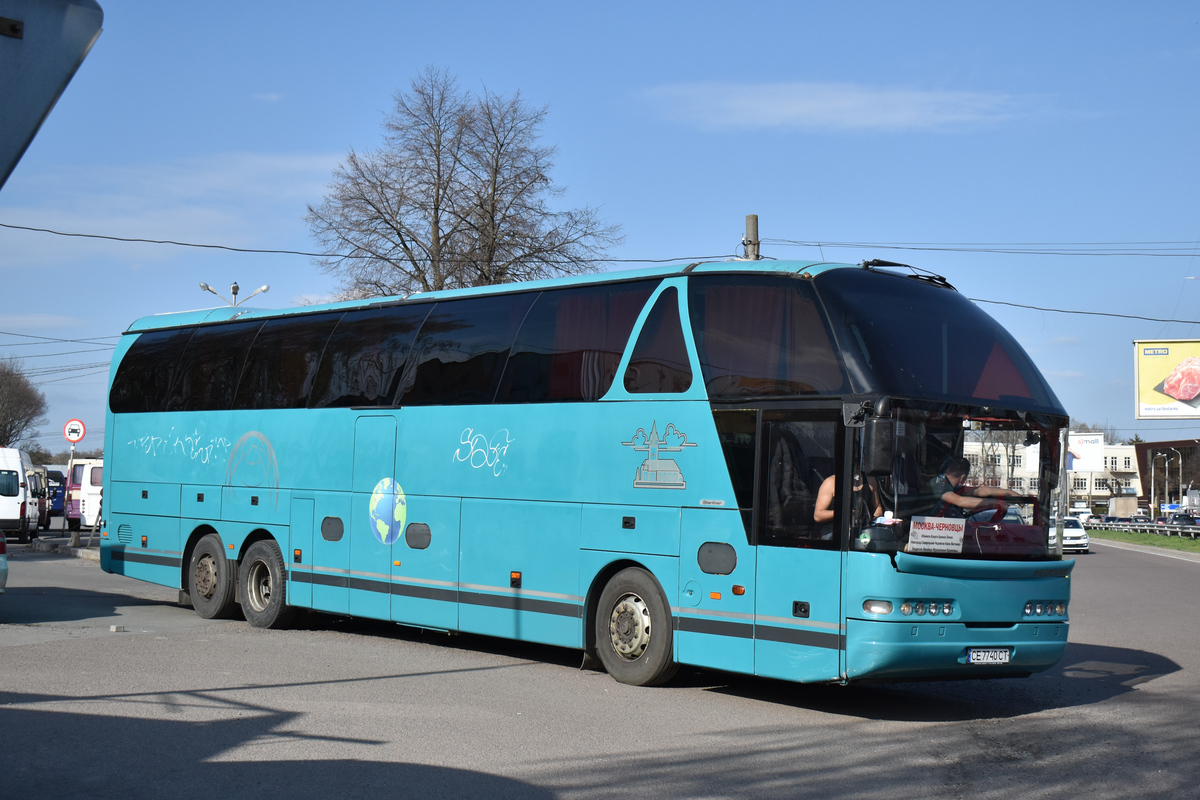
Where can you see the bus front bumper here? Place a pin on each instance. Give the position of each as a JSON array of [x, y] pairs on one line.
[[896, 650]]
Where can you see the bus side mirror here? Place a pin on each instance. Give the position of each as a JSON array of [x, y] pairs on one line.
[[879, 446]]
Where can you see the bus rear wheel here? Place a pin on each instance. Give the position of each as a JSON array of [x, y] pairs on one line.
[[633, 630], [264, 587], [210, 583]]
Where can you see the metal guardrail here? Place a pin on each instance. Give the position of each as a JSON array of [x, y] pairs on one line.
[[1182, 531]]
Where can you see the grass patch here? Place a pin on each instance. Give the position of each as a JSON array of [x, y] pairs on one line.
[[1152, 539]]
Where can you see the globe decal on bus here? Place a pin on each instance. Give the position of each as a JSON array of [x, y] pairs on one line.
[[388, 509]]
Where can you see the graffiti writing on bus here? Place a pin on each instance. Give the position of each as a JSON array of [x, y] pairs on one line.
[[192, 446], [482, 451]]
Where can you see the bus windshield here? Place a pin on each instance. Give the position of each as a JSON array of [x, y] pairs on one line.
[[904, 336], [968, 484]]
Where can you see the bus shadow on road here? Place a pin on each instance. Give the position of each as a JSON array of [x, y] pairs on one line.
[[151, 758], [30, 605], [1087, 674]]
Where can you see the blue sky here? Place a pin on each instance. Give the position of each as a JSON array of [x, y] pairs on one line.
[[864, 122]]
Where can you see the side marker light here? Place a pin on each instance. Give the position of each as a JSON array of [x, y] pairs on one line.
[[877, 606]]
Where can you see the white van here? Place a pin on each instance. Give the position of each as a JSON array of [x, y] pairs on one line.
[[18, 505], [83, 492]]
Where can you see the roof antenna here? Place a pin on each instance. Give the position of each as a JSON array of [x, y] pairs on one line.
[[750, 240]]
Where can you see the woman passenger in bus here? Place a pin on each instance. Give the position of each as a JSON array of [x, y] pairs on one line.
[[865, 506], [959, 500]]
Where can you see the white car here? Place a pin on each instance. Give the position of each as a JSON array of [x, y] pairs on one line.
[[1075, 537]]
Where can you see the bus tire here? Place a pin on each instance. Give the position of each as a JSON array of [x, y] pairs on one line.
[[210, 579], [633, 630], [264, 586]]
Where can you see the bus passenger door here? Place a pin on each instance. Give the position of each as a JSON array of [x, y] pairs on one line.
[[798, 615], [376, 517]]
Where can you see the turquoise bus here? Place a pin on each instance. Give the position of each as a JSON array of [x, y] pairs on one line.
[[731, 465]]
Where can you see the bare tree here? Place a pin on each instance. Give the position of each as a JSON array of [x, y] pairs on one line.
[[22, 406], [458, 195]]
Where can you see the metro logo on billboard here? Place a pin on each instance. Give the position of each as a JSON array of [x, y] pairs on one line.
[[1166, 377], [74, 430]]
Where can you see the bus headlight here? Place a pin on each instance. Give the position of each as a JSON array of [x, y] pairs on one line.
[[1062, 609], [877, 606], [906, 608]]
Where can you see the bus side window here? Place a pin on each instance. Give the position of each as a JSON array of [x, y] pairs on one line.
[[461, 350], [282, 362], [799, 456], [736, 431], [659, 362], [761, 336], [365, 356], [210, 367], [571, 342], [147, 371]]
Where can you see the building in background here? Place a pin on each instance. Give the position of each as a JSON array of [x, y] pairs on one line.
[[1104, 478], [1170, 474]]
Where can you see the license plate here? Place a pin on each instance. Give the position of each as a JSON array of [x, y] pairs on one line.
[[987, 655]]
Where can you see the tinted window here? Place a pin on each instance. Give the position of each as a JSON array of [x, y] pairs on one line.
[[77, 474], [800, 455], [283, 361], [461, 350], [905, 336], [97, 476], [210, 366], [736, 430], [147, 371], [571, 342], [365, 357], [9, 484], [659, 362], [761, 337]]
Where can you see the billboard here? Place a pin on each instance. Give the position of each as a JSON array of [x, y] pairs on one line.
[[1085, 452], [1166, 378]]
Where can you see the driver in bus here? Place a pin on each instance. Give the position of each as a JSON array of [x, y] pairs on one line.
[[959, 500]]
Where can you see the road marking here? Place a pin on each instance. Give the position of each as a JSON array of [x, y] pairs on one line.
[[1148, 550]]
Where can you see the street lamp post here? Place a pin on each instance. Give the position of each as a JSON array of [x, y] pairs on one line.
[[233, 290], [1179, 457], [1154, 463]]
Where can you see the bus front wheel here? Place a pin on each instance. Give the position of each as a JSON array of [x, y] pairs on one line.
[[210, 582], [264, 586], [633, 630]]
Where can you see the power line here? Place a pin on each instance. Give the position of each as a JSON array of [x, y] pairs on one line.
[[68, 353], [49, 339], [1145, 249], [1180, 249], [270, 251], [1084, 313], [42, 372]]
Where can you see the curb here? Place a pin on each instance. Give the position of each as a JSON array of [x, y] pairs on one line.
[[89, 553]]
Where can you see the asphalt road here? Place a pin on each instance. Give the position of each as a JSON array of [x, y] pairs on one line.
[[180, 706]]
